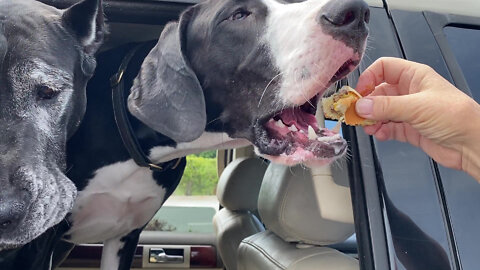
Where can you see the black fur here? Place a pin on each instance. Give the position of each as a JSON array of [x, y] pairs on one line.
[[97, 142], [127, 253]]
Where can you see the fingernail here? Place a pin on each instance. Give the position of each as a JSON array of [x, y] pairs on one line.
[[364, 106]]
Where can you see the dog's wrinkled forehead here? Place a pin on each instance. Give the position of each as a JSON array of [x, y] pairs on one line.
[[25, 76], [33, 55], [23, 38]]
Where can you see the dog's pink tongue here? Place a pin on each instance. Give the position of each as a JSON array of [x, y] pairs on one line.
[[299, 118]]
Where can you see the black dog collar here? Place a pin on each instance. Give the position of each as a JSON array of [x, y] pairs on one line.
[[123, 124]]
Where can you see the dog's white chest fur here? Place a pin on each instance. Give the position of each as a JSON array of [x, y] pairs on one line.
[[120, 197]]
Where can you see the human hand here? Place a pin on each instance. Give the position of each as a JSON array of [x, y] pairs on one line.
[[414, 104]]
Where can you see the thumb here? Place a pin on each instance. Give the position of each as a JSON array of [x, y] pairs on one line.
[[386, 108]]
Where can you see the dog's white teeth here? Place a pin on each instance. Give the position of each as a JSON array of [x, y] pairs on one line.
[[329, 138], [293, 128], [323, 139], [301, 131], [312, 135], [337, 127], [280, 124]]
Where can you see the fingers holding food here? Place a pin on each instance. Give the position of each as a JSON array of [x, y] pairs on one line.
[[341, 106]]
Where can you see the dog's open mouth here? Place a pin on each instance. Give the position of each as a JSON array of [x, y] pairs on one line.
[[294, 135]]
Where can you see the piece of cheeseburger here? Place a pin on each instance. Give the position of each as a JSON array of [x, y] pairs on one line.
[[341, 106]]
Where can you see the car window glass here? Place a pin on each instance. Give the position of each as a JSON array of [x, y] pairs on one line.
[[411, 203], [331, 124], [464, 44], [462, 192], [193, 204]]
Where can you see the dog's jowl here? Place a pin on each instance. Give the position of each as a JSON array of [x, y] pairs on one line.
[[228, 73], [46, 59]]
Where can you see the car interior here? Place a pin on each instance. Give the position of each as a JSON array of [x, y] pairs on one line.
[[264, 220], [257, 215], [261, 220]]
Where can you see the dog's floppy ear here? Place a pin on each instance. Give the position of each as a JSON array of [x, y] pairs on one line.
[[166, 95], [87, 22]]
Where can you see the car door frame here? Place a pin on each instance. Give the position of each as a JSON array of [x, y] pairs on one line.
[[375, 247]]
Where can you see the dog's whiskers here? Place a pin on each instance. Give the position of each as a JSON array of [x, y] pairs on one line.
[[266, 87], [66, 221], [303, 94], [216, 119], [322, 84], [68, 169], [291, 171]]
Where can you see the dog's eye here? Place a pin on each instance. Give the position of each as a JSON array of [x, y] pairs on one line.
[[239, 15], [45, 92]]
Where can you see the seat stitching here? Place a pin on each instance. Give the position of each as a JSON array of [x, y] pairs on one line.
[[312, 255], [277, 263]]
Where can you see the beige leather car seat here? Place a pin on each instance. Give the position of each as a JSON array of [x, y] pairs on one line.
[[237, 191], [303, 210]]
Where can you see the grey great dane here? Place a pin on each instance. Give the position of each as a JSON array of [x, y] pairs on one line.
[[228, 73], [46, 59]]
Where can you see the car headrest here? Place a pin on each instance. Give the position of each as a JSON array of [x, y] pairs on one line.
[[239, 184], [305, 205]]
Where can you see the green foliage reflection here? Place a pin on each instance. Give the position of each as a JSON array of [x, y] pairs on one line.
[[200, 176]]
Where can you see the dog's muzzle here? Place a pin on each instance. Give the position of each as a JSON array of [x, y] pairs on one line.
[[31, 201], [13, 208]]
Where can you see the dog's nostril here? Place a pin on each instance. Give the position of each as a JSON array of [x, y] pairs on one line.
[[366, 17], [5, 224], [349, 17], [10, 218], [13, 209]]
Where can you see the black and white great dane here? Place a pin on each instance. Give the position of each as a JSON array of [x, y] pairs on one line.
[[227, 74]]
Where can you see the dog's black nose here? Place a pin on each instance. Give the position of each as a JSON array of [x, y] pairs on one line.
[[345, 19], [346, 14], [12, 210]]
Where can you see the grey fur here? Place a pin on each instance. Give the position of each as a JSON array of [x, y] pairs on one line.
[[39, 48]]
